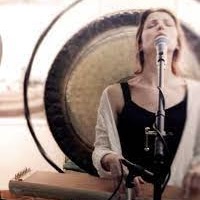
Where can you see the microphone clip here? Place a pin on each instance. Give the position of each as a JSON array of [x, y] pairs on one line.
[[136, 170]]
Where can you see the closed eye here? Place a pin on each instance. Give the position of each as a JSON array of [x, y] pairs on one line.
[[169, 23], [151, 25], [166, 22]]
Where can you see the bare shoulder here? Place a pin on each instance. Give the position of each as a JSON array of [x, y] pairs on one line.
[[115, 96], [114, 90]]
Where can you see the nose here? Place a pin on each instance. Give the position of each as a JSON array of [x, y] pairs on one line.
[[161, 26]]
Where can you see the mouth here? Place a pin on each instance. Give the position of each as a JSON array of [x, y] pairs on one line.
[[160, 34]]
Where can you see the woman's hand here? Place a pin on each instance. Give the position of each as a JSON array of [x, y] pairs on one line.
[[191, 182], [137, 192], [111, 162]]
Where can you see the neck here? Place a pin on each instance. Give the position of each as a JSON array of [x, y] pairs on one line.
[[150, 72]]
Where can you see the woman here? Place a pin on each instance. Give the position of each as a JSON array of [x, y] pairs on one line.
[[127, 109]]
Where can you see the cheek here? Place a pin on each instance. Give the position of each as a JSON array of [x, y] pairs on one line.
[[173, 38], [173, 43], [147, 41]]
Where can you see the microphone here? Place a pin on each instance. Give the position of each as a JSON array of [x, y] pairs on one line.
[[138, 170], [161, 43]]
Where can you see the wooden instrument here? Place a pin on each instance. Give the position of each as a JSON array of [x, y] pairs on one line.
[[79, 186]]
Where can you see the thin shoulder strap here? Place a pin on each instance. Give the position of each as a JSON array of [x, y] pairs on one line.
[[126, 91]]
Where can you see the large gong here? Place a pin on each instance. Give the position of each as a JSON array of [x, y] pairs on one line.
[[101, 53]]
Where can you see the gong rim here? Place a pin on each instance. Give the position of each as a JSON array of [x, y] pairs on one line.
[[54, 98]]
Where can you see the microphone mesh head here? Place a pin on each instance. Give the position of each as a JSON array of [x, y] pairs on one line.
[[161, 40]]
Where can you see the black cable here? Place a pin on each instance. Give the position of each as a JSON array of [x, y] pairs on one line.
[[163, 141], [166, 181], [154, 125], [120, 182], [162, 96], [167, 149], [161, 137], [26, 83], [165, 144]]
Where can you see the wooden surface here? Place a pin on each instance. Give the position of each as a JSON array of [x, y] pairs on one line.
[[79, 186], [7, 195]]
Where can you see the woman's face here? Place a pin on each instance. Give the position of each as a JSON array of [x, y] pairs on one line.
[[156, 24]]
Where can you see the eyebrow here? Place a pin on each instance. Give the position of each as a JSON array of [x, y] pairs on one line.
[[165, 19]]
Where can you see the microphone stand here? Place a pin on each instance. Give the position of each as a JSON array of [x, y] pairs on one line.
[[157, 178], [159, 155]]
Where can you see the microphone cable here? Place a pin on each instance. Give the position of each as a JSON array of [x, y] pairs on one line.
[[26, 83], [167, 149], [161, 137], [166, 181], [164, 142]]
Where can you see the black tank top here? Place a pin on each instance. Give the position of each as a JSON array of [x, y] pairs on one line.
[[131, 125]]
